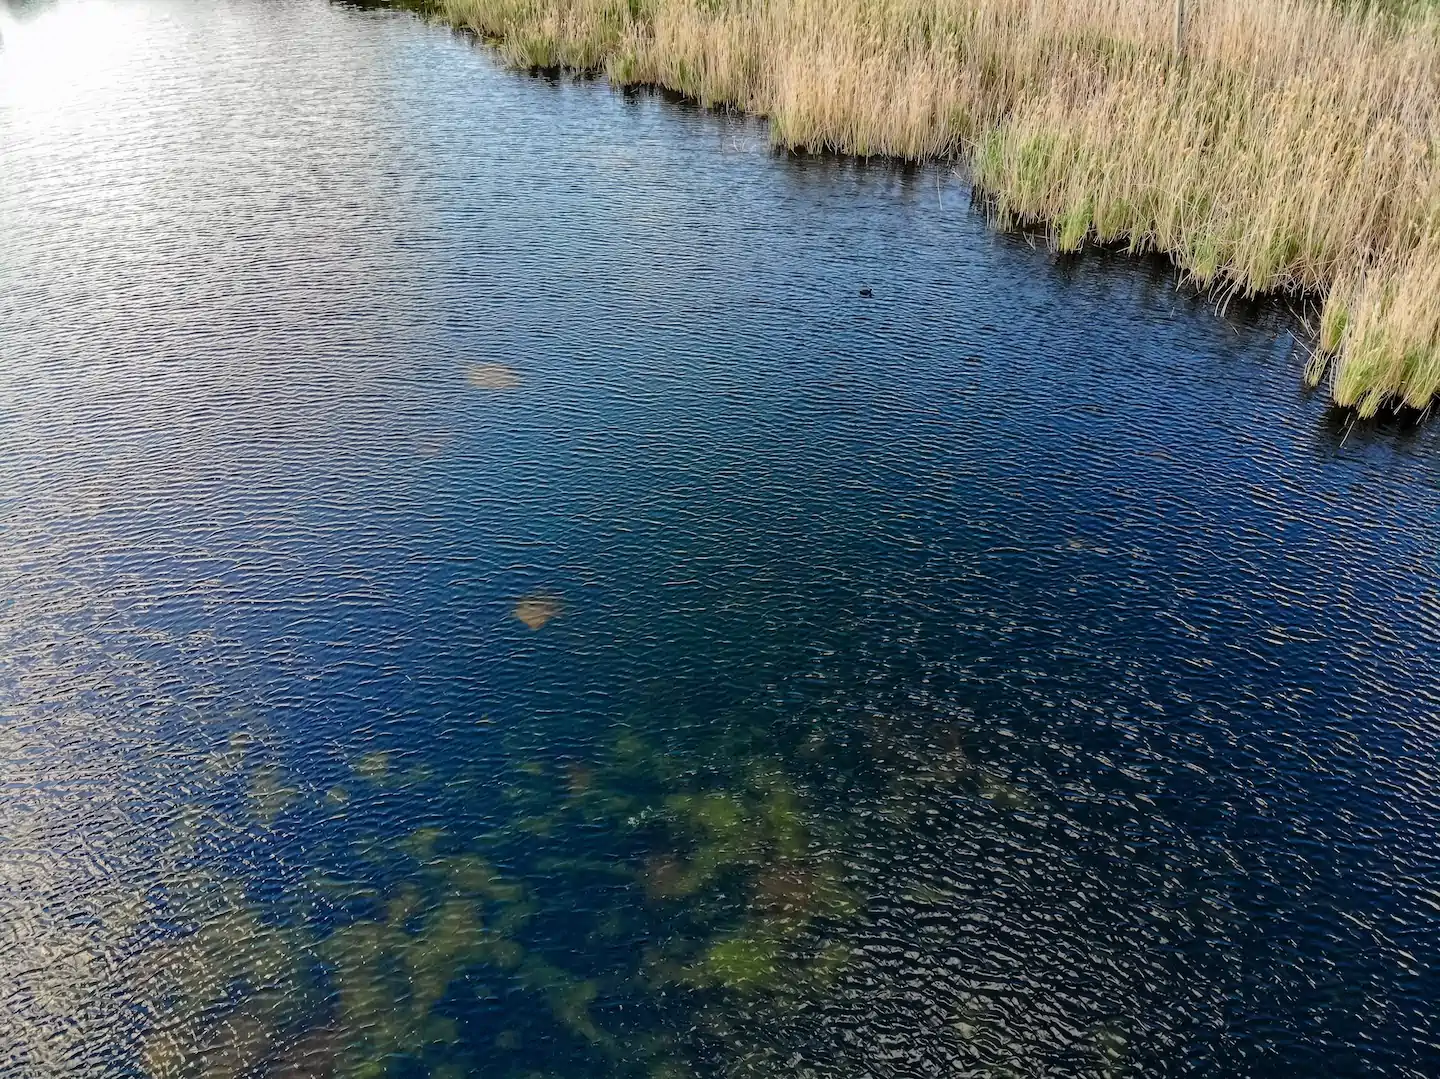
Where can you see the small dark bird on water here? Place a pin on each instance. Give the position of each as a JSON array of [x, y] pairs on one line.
[[866, 292]]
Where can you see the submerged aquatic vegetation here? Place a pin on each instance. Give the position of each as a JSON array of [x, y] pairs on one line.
[[620, 906], [695, 878], [1292, 145], [735, 872]]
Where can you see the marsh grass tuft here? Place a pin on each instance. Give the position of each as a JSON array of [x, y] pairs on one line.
[[1293, 148]]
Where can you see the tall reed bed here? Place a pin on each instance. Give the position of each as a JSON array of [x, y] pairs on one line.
[[1290, 146]]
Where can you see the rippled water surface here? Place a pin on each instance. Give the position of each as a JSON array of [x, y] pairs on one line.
[[484, 593]]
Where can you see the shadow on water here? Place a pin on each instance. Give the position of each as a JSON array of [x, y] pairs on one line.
[[1408, 432]]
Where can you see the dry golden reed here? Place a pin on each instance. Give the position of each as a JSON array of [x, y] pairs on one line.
[[1292, 145]]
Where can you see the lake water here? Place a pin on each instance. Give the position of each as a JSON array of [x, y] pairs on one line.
[[485, 593]]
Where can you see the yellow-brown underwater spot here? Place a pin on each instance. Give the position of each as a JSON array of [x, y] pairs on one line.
[[492, 376], [535, 611]]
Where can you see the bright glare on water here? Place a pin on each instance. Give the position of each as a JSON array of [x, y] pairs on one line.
[[485, 593]]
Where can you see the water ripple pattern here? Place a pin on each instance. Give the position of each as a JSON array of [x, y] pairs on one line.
[[506, 577]]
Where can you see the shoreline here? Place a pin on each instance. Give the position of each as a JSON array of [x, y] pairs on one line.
[[1294, 149]]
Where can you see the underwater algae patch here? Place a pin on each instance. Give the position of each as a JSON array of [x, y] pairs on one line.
[[696, 885]]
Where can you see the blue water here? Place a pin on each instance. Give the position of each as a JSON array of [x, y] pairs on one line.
[[486, 594]]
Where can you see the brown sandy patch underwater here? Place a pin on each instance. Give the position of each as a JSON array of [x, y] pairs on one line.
[[535, 611], [492, 376]]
